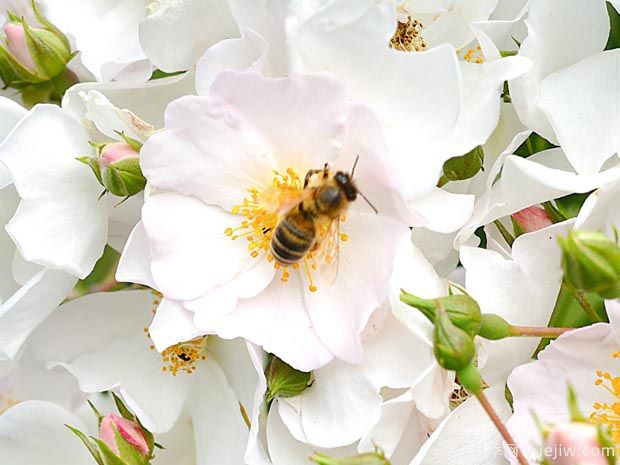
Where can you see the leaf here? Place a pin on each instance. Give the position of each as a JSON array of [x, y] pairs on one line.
[[465, 166], [533, 144], [89, 445]]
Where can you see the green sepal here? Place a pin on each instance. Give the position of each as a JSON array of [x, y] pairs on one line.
[[47, 51], [554, 214], [89, 445], [19, 70], [95, 411], [454, 349], [124, 178], [50, 27], [127, 452], [466, 166], [470, 378], [368, 458], [573, 407], [109, 458], [13, 17], [462, 309], [516, 227], [494, 327], [127, 415], [93, 164], [285, 381], [133, 143]]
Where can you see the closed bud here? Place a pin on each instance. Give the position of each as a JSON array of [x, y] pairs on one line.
[[117, 168], [591, 262], [494, 327], [370, 458], [454, 348], [285, 381], [462, 310], [16, 42], [532, 219], [123, 437]]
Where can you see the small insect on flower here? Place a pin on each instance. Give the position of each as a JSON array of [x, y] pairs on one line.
[[310, 225]]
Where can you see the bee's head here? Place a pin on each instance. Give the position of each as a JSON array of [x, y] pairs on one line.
[[347, 185]]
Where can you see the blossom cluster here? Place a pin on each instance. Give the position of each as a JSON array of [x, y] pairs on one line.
[[278, 232]]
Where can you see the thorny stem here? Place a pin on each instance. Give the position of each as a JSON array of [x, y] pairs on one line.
[[536, 331], [499, 424], [582, 300]]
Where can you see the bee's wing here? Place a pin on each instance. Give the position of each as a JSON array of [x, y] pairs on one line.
[[329, 251], [287, 204]]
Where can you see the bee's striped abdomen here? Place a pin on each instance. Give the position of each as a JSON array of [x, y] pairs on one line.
[[292, 238]]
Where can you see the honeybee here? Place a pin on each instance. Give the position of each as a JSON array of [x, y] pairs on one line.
[[316, 214]]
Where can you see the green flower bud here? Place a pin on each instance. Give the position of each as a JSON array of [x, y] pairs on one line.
[[454, 348], [494, 327], [465, 166], [370, 458], [462, 310], [285, 381], [117, 168], [591, 262]]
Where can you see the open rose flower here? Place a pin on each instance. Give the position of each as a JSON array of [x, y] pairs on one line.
[[224, 169]]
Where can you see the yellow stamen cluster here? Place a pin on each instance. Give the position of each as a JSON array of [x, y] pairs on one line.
[[407, 37], [606, 413], [183, 356], [474, 55], [7, 400], [261, 212]]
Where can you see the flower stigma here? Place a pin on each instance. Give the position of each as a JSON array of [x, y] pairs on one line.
[[605, 413], [181, 357], [262, 210]]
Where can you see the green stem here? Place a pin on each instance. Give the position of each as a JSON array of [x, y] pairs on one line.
[[536, 331], [584, 303], [504, 232], [501, 427]]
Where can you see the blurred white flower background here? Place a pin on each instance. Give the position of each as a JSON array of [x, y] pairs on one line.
[[285, 232]]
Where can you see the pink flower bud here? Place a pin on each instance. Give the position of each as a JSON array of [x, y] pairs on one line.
[[16, 40], [130, 431], [532, 219], [116, 151], [576, 444]]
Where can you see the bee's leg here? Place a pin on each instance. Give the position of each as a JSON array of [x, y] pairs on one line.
[[309, 175]]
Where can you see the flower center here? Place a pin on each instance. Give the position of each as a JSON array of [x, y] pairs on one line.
[[261, 213], [183, 356], [407, 37], [472, 55], [608, 413]]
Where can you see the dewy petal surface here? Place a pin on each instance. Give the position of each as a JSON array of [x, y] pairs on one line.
[[57, 191]]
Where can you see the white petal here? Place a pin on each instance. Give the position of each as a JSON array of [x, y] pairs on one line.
[[248, 53], [135, 262], [589, 135], [148, 99], [444, 212], [172, 324], [339, 311], [219, 429], [312, 108], [453, 26], [31, 304], [553, 42], [522, 290], [123, 218], [338, 408], [106, 32], [194, 24], [467, 435], [190, 252], [57, 191], [34, 432], [600, 211], [206, 150], [11, 113], [277, 320]]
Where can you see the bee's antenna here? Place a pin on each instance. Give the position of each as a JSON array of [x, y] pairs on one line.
[[368, 202], [354, 165]]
